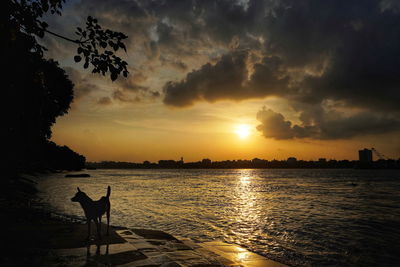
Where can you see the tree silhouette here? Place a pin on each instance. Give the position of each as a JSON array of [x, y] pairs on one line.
[[37, 90], [95, 45]]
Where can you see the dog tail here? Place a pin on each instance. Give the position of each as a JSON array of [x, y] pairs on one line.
[[108, 191]]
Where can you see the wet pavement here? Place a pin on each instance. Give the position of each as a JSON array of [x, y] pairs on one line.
[[156, 248]]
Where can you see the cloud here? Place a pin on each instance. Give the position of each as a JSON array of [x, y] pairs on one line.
[[123, 96], [131, 89], [313, 52], [175, 63], [210, 83], [134, 97], [307, 52], [104, 101], [82, 84], [328, 125], [133, 82], [274, 125], [227, 79]]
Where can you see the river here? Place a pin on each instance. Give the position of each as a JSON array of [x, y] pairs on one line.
[[300, 217]]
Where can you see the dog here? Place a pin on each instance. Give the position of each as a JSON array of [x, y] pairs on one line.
[[94, 209]]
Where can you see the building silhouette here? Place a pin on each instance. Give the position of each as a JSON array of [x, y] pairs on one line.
[[365, 155]]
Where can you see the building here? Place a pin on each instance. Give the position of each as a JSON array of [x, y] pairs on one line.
[[168, 163], [206, 162], [365, 155]]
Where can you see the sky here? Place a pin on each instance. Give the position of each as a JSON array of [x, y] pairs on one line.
[[236, 79]]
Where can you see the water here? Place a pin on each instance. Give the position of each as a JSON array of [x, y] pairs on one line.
[[298, 217]]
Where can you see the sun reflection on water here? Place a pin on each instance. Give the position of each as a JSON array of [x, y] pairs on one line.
[[244, 179], [246, 216]]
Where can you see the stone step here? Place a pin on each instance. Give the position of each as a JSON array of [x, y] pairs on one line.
[[157, 248], [186, 252]]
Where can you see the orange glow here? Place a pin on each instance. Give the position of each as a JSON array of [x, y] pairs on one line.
[[243, 131], [132, 133]]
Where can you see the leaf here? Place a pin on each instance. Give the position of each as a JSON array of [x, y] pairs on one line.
[[114, 76], [40, 33], [86, 65], [122, 46], [77, 58], [80, 50]]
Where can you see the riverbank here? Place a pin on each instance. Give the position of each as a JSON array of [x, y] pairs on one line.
[[33, 236], [29, 233]]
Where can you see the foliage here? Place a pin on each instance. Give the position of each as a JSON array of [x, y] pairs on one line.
[[96, 46], [37, 90], [93, 38], [28, 14], [62, 157]]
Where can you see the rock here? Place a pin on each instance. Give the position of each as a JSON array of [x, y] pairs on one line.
[[78, 175]]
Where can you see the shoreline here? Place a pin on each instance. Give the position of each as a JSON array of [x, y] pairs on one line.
[[37, 236]]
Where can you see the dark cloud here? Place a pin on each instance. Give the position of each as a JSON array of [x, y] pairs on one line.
[[313, 52], [328, 125], [274, 125], [227, 79], [210, 83], [390, 5], [309, 52]]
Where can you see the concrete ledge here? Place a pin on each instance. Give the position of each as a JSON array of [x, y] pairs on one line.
[[156, 248]]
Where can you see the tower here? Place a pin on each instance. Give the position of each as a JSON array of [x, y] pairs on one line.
[[365, 155]]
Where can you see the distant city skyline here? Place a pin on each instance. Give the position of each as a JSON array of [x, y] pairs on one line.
[[253, 163], [364, 155]]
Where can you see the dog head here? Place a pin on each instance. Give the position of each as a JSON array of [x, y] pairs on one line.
[[79, 196]]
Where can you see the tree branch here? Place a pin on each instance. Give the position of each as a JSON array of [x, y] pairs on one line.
[[65, 38]]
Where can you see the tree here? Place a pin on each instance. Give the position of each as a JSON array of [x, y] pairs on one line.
[[37, 90], [96, 46]]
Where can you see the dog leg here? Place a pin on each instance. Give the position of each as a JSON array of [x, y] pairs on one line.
[[87, 251], [100, 226], [88, 224], [96, 220], [108, 217], [98, 249]]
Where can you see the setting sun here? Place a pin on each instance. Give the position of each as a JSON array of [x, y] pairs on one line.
[[243, 131]]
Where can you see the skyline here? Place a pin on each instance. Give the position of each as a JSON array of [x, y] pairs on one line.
[[311, 79], [374, 155]]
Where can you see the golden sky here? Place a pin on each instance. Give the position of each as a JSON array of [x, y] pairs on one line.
[[200, 69], [153, 131]]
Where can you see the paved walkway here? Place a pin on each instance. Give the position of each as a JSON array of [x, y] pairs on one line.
[[156, 248]]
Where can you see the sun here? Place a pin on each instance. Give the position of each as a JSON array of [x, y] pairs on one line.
[[242, 130]]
